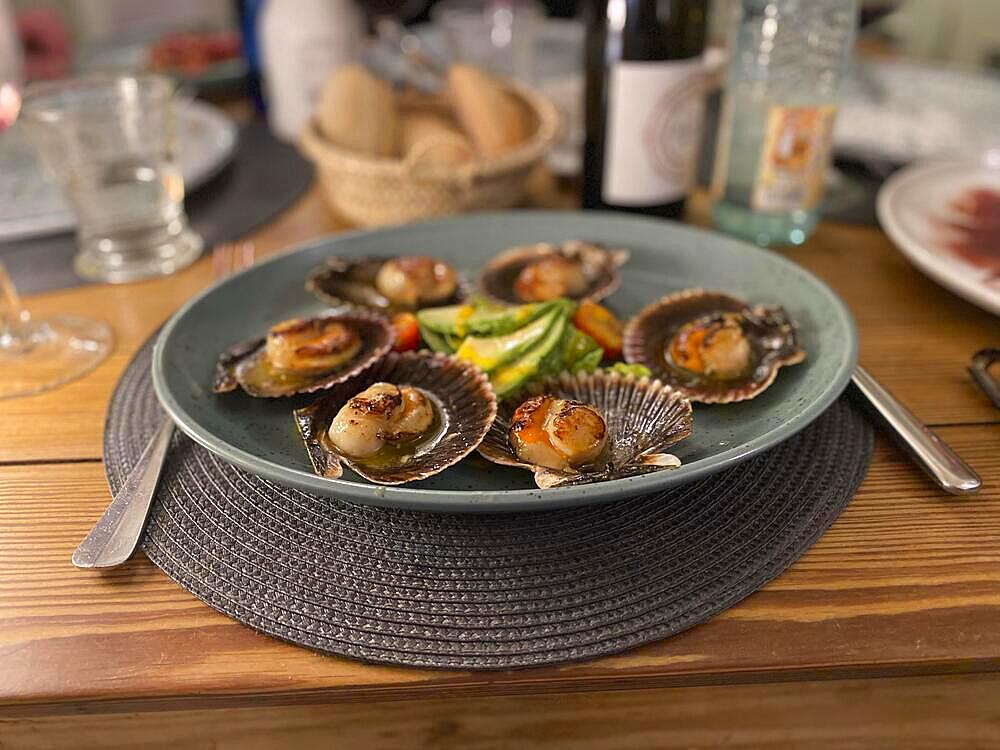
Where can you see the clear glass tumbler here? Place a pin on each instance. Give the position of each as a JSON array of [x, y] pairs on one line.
[[498, 35], [110, 142]]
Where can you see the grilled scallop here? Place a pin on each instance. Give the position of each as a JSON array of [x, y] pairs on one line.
[[557, 433], [416, 281], [542, 272], [410, 416], [304, 354], [575, 429], [712, 347], [381, 414], [549, 278], [388, 285], [311, 345]]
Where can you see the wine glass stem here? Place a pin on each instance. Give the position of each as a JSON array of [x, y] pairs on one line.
[[17, 331]]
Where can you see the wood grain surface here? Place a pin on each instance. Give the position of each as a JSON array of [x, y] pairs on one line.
[[888, 623], [917, 713]]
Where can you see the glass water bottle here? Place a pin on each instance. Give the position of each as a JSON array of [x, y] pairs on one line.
[[788, 58]]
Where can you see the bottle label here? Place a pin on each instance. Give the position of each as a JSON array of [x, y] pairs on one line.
[[794, 155], [655, 115]]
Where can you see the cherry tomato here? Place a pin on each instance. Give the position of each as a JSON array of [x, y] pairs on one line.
[[407, 332], [602, 326]]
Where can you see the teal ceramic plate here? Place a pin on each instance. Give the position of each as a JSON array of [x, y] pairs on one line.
[[260, 436]]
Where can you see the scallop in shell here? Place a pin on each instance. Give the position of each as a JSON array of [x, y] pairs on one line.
[[714, 348], [542, 272], [463, 407], [302, 355], [642, 418], [388, 285]]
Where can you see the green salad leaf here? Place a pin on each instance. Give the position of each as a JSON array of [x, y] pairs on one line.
[[623, 368]]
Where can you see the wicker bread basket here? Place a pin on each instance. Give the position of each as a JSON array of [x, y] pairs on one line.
[[371, 191]]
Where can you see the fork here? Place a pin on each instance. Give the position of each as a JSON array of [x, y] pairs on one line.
[[116, 534]]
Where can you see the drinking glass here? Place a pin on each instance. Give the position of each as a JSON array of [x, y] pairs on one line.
[[498, 35], [36, 355], [109, 141]]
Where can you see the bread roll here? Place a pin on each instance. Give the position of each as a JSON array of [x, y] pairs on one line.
[[495, 120], [430, 139], [357, 111]]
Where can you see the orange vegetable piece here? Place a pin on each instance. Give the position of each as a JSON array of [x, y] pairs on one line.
[[602, 326], [407, 332]]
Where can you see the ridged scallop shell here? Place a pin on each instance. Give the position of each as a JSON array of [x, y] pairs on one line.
[[771, 332], [461, 392], [644, 417], [497, 278], [244, 365], [351, 281]]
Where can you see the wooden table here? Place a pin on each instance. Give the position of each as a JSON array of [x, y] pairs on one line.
[[886, 632]]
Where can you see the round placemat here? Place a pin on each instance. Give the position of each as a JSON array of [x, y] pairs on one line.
[[481, 591]]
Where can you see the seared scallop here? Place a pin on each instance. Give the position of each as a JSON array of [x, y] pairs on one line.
[[557, 433], [592, 427], [717, 346], [543, 271], [388, 285], [309, 345], [415, 280], [550, 278], [714, 348], [413, 414], [304, 354], [382, 413]]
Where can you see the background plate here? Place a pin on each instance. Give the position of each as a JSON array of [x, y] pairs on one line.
[[917, 209], [902, 112], [259, 435], [30, 205]]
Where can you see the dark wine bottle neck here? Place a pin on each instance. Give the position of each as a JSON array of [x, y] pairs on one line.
[[652, 29]]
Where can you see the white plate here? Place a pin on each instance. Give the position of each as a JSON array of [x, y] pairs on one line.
[[31, 206], [916, 209]]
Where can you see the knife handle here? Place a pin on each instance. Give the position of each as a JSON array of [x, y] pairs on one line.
[[943, 465], [116, 535]]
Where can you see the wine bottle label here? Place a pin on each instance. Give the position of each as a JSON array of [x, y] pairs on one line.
[[654, 123], [794, 156]]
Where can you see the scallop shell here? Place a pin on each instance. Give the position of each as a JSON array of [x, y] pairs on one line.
[[244, 364], [351, 281], [461, 392], [498, 276], [771, 331], [644, 417]]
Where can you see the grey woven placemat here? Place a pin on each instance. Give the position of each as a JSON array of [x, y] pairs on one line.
[[264, 178], [474, 591]]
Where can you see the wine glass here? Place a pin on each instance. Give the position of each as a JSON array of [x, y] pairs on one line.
[[36, 355]]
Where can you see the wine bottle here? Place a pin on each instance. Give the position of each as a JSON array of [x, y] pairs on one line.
[[644, 103]]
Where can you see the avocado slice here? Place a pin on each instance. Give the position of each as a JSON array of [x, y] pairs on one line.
[[444, 319], [490, 352], [482, 319], [435, 341], [539, 359], [493, 322]]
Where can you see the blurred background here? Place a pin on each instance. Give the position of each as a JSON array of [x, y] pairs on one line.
[[64, 34], [215, 47], [920, 81]]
